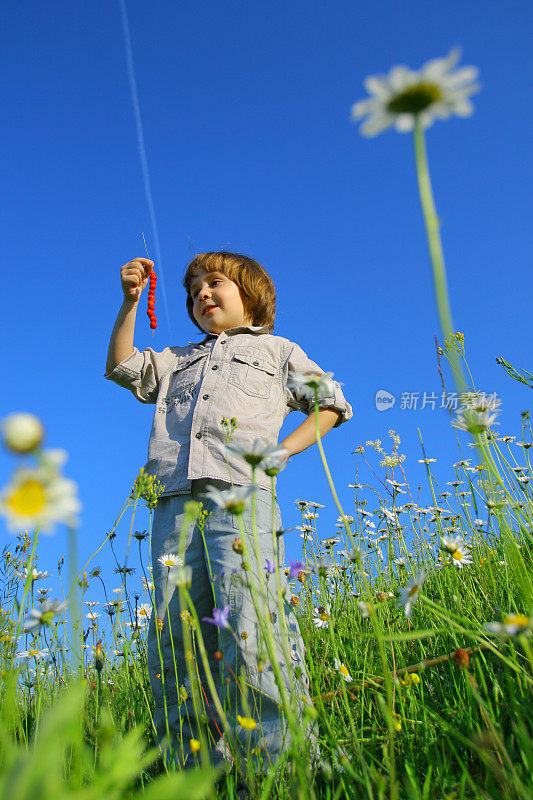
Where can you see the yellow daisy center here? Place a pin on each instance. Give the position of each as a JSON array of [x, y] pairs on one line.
[[415, 99], [323, 616], [343, 669], [517, 619], [28, 499], [169, 562], [458, 555], [413, 590]]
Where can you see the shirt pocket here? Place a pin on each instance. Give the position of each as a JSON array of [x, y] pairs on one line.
[[252, 371], [183, 385]]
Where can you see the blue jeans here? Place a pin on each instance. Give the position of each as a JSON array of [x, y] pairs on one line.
[[242, 644]]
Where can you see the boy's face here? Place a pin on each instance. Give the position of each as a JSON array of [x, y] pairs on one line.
[[217, 302]]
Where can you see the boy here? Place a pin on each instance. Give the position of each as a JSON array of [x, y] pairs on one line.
[[238, 370]]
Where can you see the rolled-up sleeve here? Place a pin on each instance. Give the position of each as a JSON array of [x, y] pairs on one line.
[[296, 400], [140, 373]]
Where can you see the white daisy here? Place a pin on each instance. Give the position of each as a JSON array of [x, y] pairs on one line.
[[304, 384], [39, 496], [321, 617], [434, 92], [512, 625], [22, 432], [181, 576], [44, 615], [461, 557], [169, 560], [254, 453], [451, 543], [343, 671], [233, 500], [409, 594], [144, 611]]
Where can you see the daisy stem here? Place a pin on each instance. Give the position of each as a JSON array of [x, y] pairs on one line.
[[435, 248]]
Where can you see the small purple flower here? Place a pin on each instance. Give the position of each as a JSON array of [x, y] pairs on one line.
[[270, 566], [220, 617], [296, 568]]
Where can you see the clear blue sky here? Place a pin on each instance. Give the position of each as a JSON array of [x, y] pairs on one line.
[[250, 147]]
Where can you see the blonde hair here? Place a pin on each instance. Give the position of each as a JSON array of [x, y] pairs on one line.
[[255, 284]]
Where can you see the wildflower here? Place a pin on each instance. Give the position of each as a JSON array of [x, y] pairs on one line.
[[365, 609], [512, 625], [99, 657], [401, 562], [321, 567], [305, 384], [169, 560], [247, 723], [38, 655], [327, 544], [144, 612], [237, 546], [22, 432], [270, 567], [301, 504], [255, 453], [91, 603], [343, 671], [461, 557], [36, 575], [39, 496], [147, 585], [409, 594], [354, 555], [140, 535], [44, 616], [124, 570], [321, 617], [220, 617], [195, 745], [434, 92], [427, 460], [275, 462], [296, 568], [451, 543], [233, 500], [92, 615]]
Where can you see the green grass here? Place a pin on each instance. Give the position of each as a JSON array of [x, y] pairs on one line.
[[450, 726]]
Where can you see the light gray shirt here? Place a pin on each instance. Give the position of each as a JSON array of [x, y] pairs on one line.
[[240, 373]]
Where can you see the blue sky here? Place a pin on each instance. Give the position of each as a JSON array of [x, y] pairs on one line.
[[246, 115]]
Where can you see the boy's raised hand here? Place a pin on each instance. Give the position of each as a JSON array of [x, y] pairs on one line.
[[134, 277]]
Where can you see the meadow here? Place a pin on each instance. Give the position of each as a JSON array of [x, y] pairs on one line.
[[416, 616], [417, 624]]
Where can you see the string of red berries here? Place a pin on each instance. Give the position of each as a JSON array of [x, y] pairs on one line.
[[151, 300]]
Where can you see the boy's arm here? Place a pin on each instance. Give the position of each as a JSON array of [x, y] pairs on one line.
[[121, 343], [305, 434], [134, 277]]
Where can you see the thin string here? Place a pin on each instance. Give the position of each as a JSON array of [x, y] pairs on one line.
[[142, 156]]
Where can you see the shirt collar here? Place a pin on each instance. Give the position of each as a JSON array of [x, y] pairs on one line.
[[256, 330]]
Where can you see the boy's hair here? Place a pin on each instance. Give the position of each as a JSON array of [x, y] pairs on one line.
[[255, 284]]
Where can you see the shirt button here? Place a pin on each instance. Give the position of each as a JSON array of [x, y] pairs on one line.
[[205, 397], [198, 435], [214, 367], [256, 363]]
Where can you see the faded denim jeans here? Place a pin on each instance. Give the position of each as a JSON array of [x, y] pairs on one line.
[[242, 651]]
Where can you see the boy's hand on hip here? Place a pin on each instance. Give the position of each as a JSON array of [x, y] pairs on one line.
[[134, 277]]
